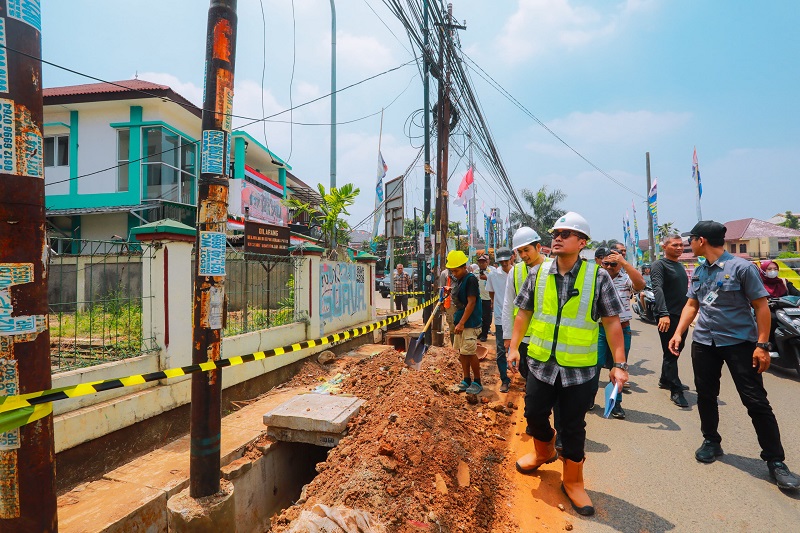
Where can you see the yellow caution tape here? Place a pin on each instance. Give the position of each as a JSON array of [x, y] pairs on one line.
[[18, 410]]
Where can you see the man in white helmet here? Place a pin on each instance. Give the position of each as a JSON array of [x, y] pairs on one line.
[[527, 244], [496, 286], [560, 305]]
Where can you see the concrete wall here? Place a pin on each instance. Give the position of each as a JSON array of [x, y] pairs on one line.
[[80, 420]]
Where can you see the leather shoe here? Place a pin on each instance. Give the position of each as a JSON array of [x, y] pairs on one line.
[[708, 452], [782, 476], [662, 385], [504, 387], [618, 412], [679, 399]]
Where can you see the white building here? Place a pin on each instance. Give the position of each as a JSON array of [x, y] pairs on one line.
[[118, 155]]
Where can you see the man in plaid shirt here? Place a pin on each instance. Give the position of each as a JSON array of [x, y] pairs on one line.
[[402, 283], [560, 304]]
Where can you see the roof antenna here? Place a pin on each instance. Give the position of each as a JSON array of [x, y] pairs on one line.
[[136, 76]]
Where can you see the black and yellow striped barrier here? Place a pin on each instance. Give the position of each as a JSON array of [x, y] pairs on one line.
[[405, 293], [17, 411]]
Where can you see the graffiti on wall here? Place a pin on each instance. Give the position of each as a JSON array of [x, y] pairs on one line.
[[341, 291]]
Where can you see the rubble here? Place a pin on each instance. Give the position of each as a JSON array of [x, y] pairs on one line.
[[417, 455]]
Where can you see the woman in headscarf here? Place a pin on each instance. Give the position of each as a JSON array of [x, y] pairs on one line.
[[776, 286]]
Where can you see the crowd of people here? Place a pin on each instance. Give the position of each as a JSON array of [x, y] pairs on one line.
[[560, 320]]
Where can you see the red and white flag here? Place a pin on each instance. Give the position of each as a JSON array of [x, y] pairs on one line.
[[465, 191]]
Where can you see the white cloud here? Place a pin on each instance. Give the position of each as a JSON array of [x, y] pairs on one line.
[[623, 128], [539, 25], [188, 90], [362, 53]]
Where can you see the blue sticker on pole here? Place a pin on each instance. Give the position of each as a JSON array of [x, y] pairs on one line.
[[8, 146], [213, 152], [212, 253], [3, 57], [27, 11]]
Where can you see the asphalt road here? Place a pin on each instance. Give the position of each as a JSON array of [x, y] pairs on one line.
[[641, 472]]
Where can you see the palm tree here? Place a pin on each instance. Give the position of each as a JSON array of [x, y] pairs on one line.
[[667, 228], [544, 211], [334, 203]]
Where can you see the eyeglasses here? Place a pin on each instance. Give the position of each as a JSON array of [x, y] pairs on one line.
[[621, 252], [693, 238], [563, 233], [609, 264]]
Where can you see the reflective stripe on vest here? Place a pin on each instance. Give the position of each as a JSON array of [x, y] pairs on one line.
[[520, 274], [569, 333]]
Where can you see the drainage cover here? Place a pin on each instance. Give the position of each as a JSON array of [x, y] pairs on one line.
[[319, 419]]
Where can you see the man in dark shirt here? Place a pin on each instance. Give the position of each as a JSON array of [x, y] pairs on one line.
[[669, 281], [465, 297]]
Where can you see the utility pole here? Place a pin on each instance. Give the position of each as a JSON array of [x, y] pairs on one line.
[[650, 239], [27, 454], [212, 215], [425, 276]]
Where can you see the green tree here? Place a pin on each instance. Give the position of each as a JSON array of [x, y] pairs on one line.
[[791, 221], [667, 228], [545, 211], [327, 215]]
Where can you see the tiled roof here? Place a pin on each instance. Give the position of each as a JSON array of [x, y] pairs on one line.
[[101, 88], [753, 228]]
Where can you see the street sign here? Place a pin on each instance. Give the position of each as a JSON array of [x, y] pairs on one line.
[[394, 208], [267, 239]]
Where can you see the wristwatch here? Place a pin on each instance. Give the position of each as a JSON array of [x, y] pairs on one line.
[[765, 345], [623, 366]]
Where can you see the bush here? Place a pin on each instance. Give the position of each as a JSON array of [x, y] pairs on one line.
[[788, 255]]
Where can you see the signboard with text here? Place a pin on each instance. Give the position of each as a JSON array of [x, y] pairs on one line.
[[266, 239]]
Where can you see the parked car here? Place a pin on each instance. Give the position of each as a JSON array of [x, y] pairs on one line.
[[385, 284]]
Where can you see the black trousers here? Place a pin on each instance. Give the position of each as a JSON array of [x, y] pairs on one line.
[[523, 360], [541, 397], [707, 363], [401, 302], [669, 363], [486, 317]]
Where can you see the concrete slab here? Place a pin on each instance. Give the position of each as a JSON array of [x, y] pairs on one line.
[[167, 470], [314, 412], [366, 350], [98, 507], [318, 438]]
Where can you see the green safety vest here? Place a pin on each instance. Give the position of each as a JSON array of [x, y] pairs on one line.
[[520, 274], [567, 332]]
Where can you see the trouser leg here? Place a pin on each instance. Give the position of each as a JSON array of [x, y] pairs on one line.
[[603, 352], [572, 403], [486, 317], [707, 366], [626, 337], [502, 364], [669, 363], [539, 400], [750, 386]]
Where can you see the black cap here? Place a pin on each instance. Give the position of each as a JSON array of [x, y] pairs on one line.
[[708, 229], [601, 252]]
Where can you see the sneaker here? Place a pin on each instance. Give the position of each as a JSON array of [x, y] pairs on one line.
[[504, 387], [782, 476], [618, 412], [463, 386], [482, 339], [475, 388], [708, 452], [626, 388], [679, 399]]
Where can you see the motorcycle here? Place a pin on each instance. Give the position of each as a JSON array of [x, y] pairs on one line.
[[647, 314], [786, 339]]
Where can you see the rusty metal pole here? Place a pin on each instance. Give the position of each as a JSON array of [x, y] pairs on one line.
[[212, 217], [27, 454]]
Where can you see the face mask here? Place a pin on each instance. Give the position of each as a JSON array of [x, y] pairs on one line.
[[771, 274]]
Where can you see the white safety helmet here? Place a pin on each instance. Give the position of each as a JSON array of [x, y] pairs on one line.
[[523, 236], [573, 221]]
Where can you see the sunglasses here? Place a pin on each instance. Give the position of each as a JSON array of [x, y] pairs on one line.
[[563, 233], [609, 264], [693, 238]]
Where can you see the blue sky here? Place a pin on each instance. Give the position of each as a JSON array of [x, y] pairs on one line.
[[613, 79]]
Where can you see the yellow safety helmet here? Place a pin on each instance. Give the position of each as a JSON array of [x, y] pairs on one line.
[[456, 258]]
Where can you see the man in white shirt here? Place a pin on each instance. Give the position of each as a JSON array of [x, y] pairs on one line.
[[483, 277], [496, 286]]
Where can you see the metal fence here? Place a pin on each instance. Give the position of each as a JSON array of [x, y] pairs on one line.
[[260, 291], [95, 302]]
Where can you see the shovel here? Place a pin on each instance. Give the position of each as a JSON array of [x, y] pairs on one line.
[[417, 347]]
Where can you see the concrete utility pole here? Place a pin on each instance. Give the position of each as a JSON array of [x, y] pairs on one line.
[[650, 239], [27, 454], [212, 217]]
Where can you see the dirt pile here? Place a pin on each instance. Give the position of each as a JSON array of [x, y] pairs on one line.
[[418, 457]]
